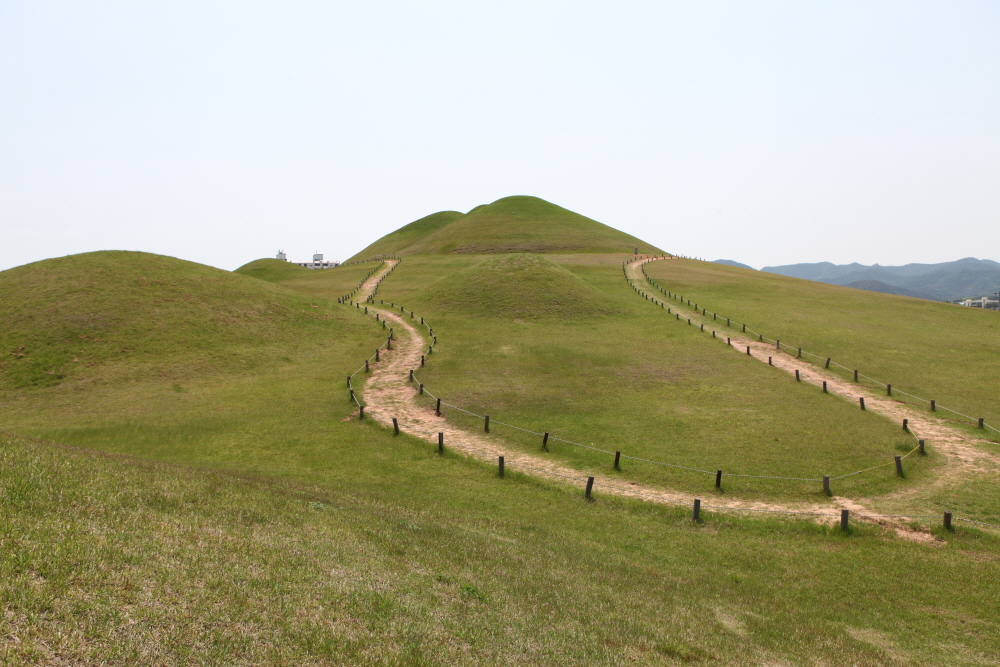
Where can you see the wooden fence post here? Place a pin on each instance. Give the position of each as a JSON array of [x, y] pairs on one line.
[[770, 361], [421, 388], [899, 465], [845, 517], [824, 387], [590, 487], [748, 350], [545, 442], [855, 374], [366, 365], [922, 449], [982, 423], [361, 413], [440, 442], [487, 423], [798, 378], [828, 362], [933, 405], [421, 361], [947, 521], [888, 390], [618, 456], [437, 410], [377, 354], [395, 426], [411, 375], [696, 510], [718, 479], [862, 399], [500, 470], [826, 484], [906, 426]]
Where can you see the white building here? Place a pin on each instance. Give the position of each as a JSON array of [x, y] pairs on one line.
[[985, 302], [317, 262]]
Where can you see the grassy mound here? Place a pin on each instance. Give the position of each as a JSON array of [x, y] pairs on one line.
[[508, 225], [408, 234], [60, 317], [272, 270], [517, 287]]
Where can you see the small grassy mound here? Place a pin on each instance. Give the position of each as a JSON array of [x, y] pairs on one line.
[[62, 317], [272, 270], [408, 234], [517, 287]]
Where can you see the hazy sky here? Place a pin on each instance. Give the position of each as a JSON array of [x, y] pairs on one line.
[[766, 132]]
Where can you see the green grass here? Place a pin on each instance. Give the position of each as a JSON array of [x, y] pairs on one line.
[[929, 349], [109, 560], [639, 382], [272, 270], [409, 234], [231, 511], [512, 224]]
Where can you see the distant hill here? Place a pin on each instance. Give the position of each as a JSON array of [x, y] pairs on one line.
[[510, 225], [729, 262], [947, 281]]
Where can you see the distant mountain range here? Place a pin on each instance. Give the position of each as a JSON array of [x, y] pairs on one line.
[[948, 281]]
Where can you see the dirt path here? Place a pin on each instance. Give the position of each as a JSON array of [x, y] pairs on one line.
[[962, 452], [388, 393]]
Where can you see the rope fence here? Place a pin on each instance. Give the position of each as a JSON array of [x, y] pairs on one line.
[[799, 352], [474, 453]]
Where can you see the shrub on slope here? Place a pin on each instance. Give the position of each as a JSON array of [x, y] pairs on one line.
[[61, 316], [521, 287]]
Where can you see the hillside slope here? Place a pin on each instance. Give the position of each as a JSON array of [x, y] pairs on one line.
[[65, 317], [272, 270], [510, 225]]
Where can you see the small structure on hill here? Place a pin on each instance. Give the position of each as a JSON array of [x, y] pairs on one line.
[[317, 261]]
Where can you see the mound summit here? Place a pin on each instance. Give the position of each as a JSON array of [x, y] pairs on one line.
[[517, 224]]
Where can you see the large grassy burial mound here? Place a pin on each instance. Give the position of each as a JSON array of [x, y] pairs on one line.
[[517, 287], [72, 316], [509, 225]]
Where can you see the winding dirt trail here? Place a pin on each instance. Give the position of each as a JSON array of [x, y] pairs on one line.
[[963, 453], [388, 393]]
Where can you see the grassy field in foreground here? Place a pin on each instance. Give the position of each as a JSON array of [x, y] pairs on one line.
[[929, 349], [108, 560]]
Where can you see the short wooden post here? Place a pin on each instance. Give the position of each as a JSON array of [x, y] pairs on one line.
[[800, 353], [744, 328], [713, 334], [748, 350], [590, 487], [982, 423], [395, 426], [487, 423], [906, 426], [888, 390], [933, 405], [798, 378], [361, 412], [430, 350], [352, 395], [947, 521], [411, 375], [855, 374], [421, 388], [714, 315], [899, 465], [421, 320], [922, 448], [383, 324], [348, 381], [729, 341], [366, 310], [828, 362], [376, 354], [824, 387], [437, 410], [770, 361], [545, 442], [826, 484], [761, 338], [845, 517], [703, 326], [500, 467], [440, 442], [728, 322], [388, 343], [618, 456], [696, 511], [862, 400], [421, 361], [366, 365], [777, 344], [718, 479]]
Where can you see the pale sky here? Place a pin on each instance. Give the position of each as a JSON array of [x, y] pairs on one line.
[[765, 132]]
